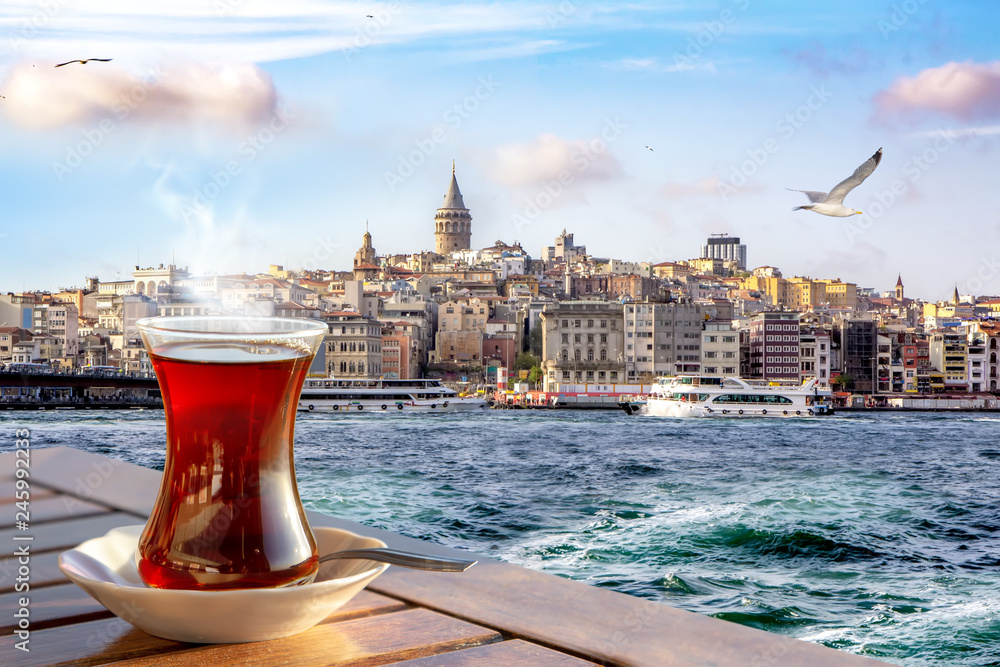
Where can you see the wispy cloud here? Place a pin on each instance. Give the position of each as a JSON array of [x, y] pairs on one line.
[[254, 31], [656, 65], [961, 133], [966, 91], [819, 62]]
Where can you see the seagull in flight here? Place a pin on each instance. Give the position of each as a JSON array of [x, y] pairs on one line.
[[85, 61], [369, 16], [833, 203], [649, 149]]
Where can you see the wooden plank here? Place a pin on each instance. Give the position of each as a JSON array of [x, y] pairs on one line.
[[68, 533], [49, 607], [601, 625], [43, 571], [112, 640], [111, 482], [515, 652], [7, 491], [366, 641], [50, 507]]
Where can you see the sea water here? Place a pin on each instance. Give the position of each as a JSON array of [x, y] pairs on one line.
[[877, 534]]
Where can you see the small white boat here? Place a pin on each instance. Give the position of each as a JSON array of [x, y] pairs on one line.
[[381, 395], [702, 396]]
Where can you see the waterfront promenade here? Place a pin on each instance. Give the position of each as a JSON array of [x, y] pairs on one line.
[[495, 613]]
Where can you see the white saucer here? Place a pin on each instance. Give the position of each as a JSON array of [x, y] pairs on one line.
[[244, 615]]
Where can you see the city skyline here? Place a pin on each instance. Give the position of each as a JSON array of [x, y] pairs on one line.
[[237, 135]]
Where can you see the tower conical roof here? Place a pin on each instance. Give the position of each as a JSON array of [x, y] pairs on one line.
[[899, 280], [453, 198]]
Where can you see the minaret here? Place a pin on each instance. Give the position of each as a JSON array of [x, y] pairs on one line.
[[453, 222], [899, 288]]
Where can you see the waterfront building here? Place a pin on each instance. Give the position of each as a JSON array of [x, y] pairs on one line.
[[353, 346], [662, 339], [582, 342], [857, 337], [60, 321], [978, 370], [814, 355], [774, 347], [399, 350], [991, 330], [883, 364], [453, 222], [9, 337], [949, 353], [726, 248], [26, 352], [720, 349], [420, 314]]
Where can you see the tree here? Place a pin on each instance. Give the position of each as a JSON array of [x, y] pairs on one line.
[[843, 382], [535, 376], [525, 361]]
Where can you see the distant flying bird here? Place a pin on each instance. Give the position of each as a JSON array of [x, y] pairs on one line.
[[649, 148], [369, 16], [85, 61], [833, 203]]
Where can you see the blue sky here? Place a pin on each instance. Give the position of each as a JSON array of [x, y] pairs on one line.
[[231, 134]]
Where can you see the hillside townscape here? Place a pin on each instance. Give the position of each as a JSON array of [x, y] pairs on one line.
[[565, 320]]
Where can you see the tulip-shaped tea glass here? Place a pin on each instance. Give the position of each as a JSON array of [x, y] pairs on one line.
[[228, 513]]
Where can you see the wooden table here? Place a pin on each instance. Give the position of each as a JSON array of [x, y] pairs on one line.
[[493, 614]]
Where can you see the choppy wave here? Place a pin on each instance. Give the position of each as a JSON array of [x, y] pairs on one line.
[[874, 534]]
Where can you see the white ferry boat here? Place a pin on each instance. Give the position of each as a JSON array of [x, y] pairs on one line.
[[381, 395], [701, 396]]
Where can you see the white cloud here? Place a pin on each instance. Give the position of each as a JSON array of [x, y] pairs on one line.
[[41, 96], [965, 91]]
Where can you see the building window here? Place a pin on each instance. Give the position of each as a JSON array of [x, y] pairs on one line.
[[577, 354], [604, 355], [565, 339], [565, 355], [590, 354], [590, 324]]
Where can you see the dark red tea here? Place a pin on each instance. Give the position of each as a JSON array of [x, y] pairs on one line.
[[228, 513]]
